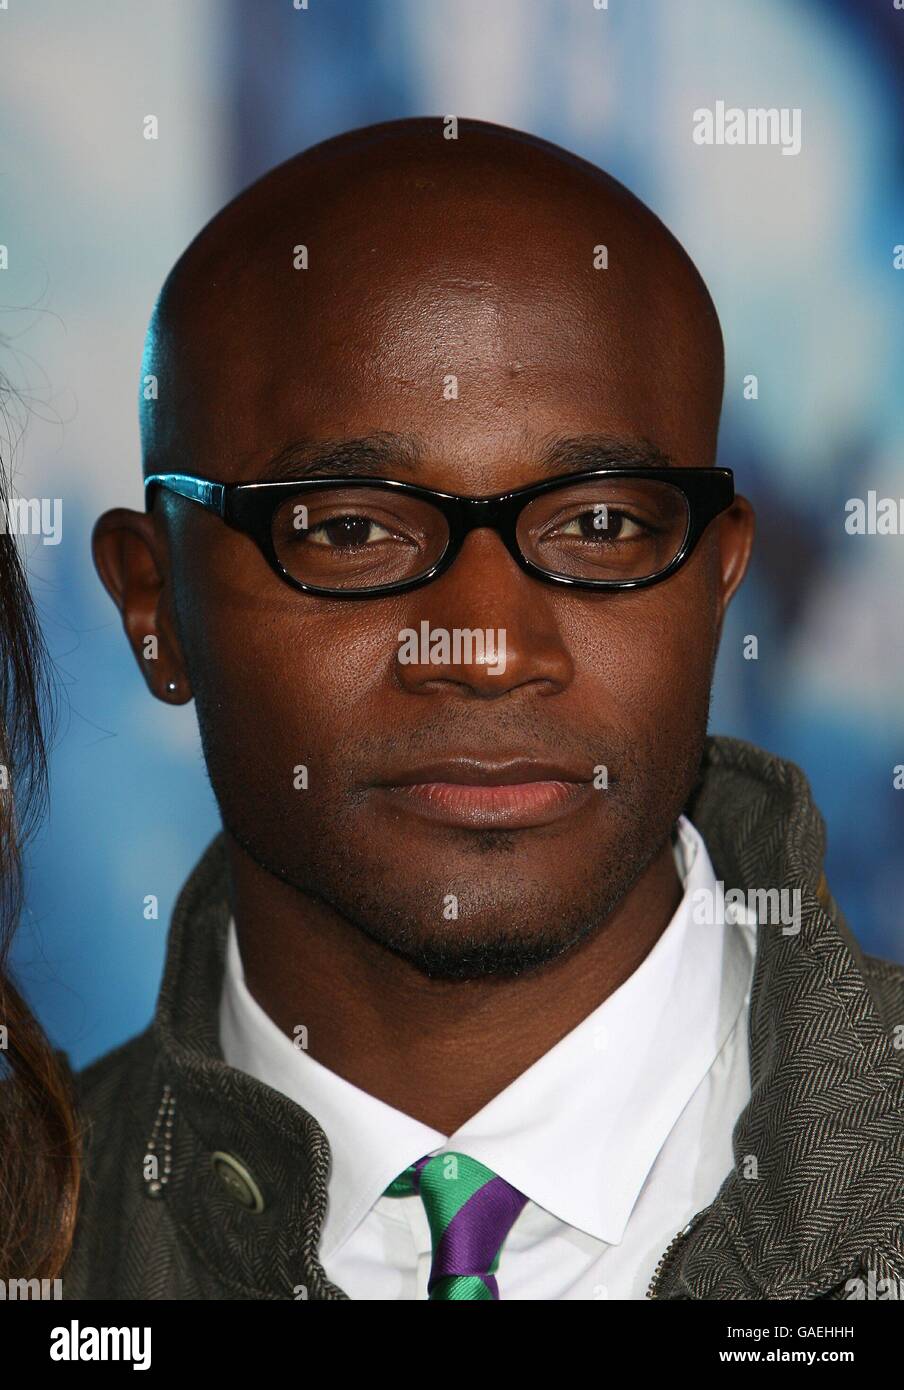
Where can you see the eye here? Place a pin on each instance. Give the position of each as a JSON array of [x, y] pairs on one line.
[[343, 532], [603, 524]]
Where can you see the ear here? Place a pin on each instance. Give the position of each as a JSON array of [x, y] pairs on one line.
[[130, 556], [736, 528]]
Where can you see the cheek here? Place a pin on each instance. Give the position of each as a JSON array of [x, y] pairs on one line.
[[296, 673], [646, 658]]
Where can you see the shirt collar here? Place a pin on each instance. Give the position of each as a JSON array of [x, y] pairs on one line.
[[636, 1044]]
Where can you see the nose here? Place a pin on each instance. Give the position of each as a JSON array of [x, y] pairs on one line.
[[484, 628]]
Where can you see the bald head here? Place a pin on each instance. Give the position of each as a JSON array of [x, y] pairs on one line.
[[427, 259]]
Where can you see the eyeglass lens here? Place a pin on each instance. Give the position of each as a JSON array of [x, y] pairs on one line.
[[345, 537]]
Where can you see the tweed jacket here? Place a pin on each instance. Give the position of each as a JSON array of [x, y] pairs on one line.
[[201, 1182]]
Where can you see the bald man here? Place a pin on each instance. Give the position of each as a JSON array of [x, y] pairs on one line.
[[503, 979]]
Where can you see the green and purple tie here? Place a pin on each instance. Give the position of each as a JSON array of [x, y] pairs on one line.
[[470, 1212]]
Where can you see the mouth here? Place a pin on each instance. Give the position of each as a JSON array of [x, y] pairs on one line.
[[484, 794]]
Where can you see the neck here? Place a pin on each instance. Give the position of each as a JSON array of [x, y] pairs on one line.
[[437, 1050]]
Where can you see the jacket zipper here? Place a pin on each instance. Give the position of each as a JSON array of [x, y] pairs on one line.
[[667, 1258]]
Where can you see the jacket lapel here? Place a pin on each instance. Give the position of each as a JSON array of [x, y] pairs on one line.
[[219, 1111], [817, 1192]]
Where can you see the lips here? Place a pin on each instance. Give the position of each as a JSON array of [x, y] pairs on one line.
[[481, 794]]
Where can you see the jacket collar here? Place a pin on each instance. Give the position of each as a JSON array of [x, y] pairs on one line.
[[822, 1132]]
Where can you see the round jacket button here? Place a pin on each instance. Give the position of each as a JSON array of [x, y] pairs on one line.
[[237, 1181]]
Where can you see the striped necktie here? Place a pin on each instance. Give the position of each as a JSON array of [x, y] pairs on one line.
[[470, 1212]]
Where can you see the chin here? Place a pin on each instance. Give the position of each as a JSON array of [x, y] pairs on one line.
[[492, 951]]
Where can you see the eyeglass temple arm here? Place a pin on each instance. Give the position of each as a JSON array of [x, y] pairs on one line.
[[207, 494]]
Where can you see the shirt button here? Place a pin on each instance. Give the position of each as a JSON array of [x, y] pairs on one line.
[[237, 1181]]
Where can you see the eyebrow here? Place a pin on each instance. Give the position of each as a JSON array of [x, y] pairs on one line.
[[384, 454], [373, 455], [585, 451]]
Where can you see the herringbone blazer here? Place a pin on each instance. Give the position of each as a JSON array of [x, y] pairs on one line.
[[203, 1183]]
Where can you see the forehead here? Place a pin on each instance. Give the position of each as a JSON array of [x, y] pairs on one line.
[[481, 324]]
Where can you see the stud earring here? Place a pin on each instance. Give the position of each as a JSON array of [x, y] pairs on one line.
[[171, 686]]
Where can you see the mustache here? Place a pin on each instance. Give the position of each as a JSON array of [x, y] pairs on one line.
[[488, 733]]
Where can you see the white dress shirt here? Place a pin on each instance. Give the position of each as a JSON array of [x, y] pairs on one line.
[[618, 1135]]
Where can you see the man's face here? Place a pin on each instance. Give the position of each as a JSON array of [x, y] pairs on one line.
[[543, 347]]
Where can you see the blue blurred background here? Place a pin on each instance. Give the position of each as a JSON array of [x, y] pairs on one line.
[[798, 254]]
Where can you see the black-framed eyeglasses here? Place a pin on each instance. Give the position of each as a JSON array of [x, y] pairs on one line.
[[362, 537]]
